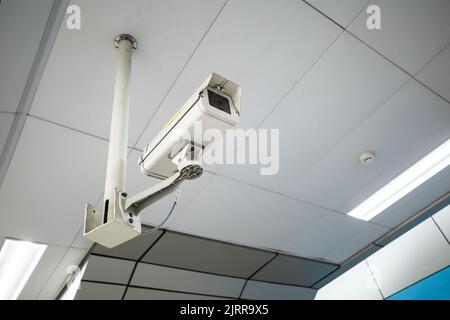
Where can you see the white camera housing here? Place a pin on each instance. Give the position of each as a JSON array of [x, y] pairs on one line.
[[216, 104]]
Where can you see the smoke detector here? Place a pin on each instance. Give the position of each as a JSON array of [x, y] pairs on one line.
[[367, 158]]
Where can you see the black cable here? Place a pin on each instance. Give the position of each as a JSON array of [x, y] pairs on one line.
[[177, 196]]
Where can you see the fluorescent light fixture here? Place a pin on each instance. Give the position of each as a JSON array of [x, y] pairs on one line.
[[414, 176], [17, 261]]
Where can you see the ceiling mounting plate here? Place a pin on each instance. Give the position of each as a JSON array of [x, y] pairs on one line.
[[125, 36]]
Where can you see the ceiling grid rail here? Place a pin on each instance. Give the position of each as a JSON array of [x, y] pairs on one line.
[[57, 12]]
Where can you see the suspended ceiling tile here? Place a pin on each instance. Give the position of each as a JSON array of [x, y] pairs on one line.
[[156, 277], [265, 59], [132, 249], [334, 238], [256, 290], [355, 284], [58, 278], [189, 252], [6, 120], [22, 25], [421, 215], [321, 111], [436, 74], [46, 266], [153, 215], [413, 31], [235, 212], [409, 125], [416, 201], [108, 270], [412, 257], [343, 12], [77, 87], [148, 294], [99, 291], [56, 171], [349, 264], [442, 219], [294, 271]]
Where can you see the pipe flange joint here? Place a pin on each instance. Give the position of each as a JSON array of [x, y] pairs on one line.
[[127, 37]]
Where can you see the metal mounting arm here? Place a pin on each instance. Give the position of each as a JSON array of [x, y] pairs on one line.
[[188, 168]]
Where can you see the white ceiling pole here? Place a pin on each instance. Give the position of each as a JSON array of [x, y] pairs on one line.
[[118, 138]]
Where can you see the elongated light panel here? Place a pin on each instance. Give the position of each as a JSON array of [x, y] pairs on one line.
[[421, 171], [17, 261]]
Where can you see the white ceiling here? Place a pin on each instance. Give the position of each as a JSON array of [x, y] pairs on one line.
[[54, 171], [240, 45], [343, 12], [332, 93], [436, 74], [413, 31], [6, 120], [81, 66], [21, 27]]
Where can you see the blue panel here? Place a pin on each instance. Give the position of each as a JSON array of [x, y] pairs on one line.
[[435, 287]]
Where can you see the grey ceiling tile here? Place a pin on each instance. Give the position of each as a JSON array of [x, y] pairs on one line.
[[22, 24], [410, 258], [343, 12], [436, 74], [108, 270], [442, 219], [99, 291], [158, 277], [347, 266], [413, 31], [148, 294], [132, 249], [356, 284], [294, 271], [255, 290], [189, 252]]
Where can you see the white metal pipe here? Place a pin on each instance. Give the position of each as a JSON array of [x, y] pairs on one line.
[[118, 138]]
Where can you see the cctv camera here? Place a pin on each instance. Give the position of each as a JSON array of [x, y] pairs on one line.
[[173, 156], [216, 104]]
